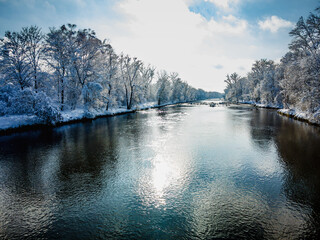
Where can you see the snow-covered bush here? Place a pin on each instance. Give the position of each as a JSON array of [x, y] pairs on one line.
[[3, 108], [45, 110], [22, 102], [14, 101], [73, 95], [91, 95], [6, 91]]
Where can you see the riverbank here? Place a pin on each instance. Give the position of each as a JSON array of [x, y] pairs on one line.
[[260, 105], [311, 118], [19, 123]]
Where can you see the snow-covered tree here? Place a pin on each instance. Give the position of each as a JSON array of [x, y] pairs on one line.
[[295, 82], [178, 88], [163, 87], [92, 95], [58, 59], [32, 38], [108, 67], [147, 75], [234, 88], [86, 49], [13, 60], [129, 71]]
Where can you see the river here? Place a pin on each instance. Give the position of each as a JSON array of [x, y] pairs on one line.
[[179, 172]]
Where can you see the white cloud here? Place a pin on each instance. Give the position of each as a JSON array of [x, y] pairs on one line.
[[228, 25], [226, 5], [168, 35], [171, 37], [274, 23]]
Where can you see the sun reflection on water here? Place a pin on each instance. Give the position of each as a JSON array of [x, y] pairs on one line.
[[166, 176]]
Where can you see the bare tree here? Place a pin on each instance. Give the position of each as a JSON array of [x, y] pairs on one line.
[[129, 70], [13, 62], [34, 51], [58, 58]]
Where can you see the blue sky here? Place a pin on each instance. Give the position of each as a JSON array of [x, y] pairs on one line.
[[15, 14], [255, 9], [202, 40]]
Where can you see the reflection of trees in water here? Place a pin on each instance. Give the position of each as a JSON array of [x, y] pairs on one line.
[[85, 150], [263, 125], [170, 115], [132, 126], [131, 133], [164, 115], [79, 148], [25, 192], [26, 154], [299, 147], [41, 167], [166, 112], [237, 117]]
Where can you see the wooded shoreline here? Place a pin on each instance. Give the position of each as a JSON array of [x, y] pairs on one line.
[[42, 126], [290, 113]]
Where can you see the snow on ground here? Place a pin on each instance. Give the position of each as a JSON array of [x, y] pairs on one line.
[[268, 105], [262, 105], [72, 115], [313, 118], [16, 121]]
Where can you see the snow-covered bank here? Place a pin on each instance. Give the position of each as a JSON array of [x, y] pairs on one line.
[[272, 106], [14, 123], [79, 114], [262, 105], [312, 118]]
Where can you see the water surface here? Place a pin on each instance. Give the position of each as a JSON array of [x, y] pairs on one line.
[[183, 172]]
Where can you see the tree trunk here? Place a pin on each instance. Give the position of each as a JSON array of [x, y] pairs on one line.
[[131, 96], [109, 93], [62, 99], [127, 102], [35, 81], [35, 84]]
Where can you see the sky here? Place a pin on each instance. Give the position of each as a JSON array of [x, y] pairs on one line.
[[202, 40]]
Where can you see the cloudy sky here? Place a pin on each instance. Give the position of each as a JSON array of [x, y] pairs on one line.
[[202, 40]]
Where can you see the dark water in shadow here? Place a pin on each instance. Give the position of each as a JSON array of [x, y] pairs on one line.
[[188, 172]]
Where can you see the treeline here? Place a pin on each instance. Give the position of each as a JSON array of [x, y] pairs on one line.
[[294, 82], [69, 68]]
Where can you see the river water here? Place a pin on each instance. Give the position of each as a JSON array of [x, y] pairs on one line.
[[182, 172]]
